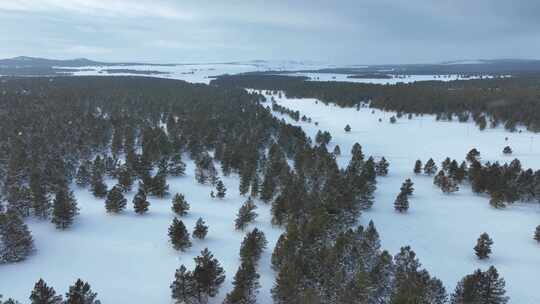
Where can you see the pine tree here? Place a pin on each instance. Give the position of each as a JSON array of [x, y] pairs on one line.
[[81, 293], [382, 167], [176, 167], [347, 128], [246, 285], [430, 167], [246, 214], [407, 187], [255, 185], [418, 167], [178, 235], [497, 200], [201, 230], [537, 234], [252, 246], [473, 156], [208, 274], [98, 187], [125, 178], [159, 188], [401, 203], [43, 294], [64, 209], [15, 238], [483, 246], [220, 188], [447, 184], [115, 202], [179, 205], [184, 286], [507, 150], [84, 176], [245, 180], [480, 287], [140, 202], [337, 151]]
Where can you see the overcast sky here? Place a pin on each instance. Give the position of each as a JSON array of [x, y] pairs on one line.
[[335, 31]]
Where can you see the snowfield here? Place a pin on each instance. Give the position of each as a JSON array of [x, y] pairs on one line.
[[441, 228], [127, 258]]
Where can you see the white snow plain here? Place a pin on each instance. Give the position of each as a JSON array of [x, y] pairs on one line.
[[442, 229], [127, 258]]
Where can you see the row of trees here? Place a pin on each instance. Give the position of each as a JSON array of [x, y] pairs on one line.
[[79, 293]]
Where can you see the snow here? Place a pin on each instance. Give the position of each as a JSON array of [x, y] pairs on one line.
[[441, 228], [127, 258]]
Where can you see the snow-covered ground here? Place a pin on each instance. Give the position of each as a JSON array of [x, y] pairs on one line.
[[127, 258], [442, 229]]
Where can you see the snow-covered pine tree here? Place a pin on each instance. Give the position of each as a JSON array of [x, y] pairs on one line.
[[401, 204], [417, 167], [176, 167], [81, 293], [201, 229], [179, 204], [208, 275], [16, 242], [245, 285], [483, 246], [178, 235], [246, 214], [220, 188], [64, 208], [140, 202], [115, 202], [382, 167], [84, 175], [184, 287], [407, 187], [430, 167], [43, 294]]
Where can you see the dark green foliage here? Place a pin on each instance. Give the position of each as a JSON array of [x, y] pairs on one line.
[[337, 151], [246, 285], [407, 187], [176, 167], [43, 294], [125, 178], [537, 234], [347, 128], [430, 167], [40, 199], [246, 214], [64, 209], [417, 167], [507, 150], [81, 293], [201, 229], [184, 286], [159, 186], [98, 187], [208, 274], [15, 238], [84, 175], [480, 287], [483, 246], [252, 246], [382, 167], [178, 235], [140, 202], [179, 205], [401, 204], [221, 190], [115, 202], [473, 155]]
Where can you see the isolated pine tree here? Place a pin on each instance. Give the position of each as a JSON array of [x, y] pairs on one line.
[[401, 204], [81, 293], [347, 128], [140, 202], [43, 294], [430, 167], [184, 287], [245, 285], [220, 188], [15, 238], [115, 202], [418, 167], [208, 274], [246, 214], [179, 205], [483, 246], [201, 230], [64, 209], [407, 187], [537, 234], [382, 167], [178, 235]]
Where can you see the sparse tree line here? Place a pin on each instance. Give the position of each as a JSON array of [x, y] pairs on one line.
[[137, 130], [79, 293], [490, 102]]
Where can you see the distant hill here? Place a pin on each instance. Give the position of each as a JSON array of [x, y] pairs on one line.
[[36, 62]]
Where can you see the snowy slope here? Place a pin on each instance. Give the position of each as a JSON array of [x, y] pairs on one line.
[[442, 229], [127, 258]]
